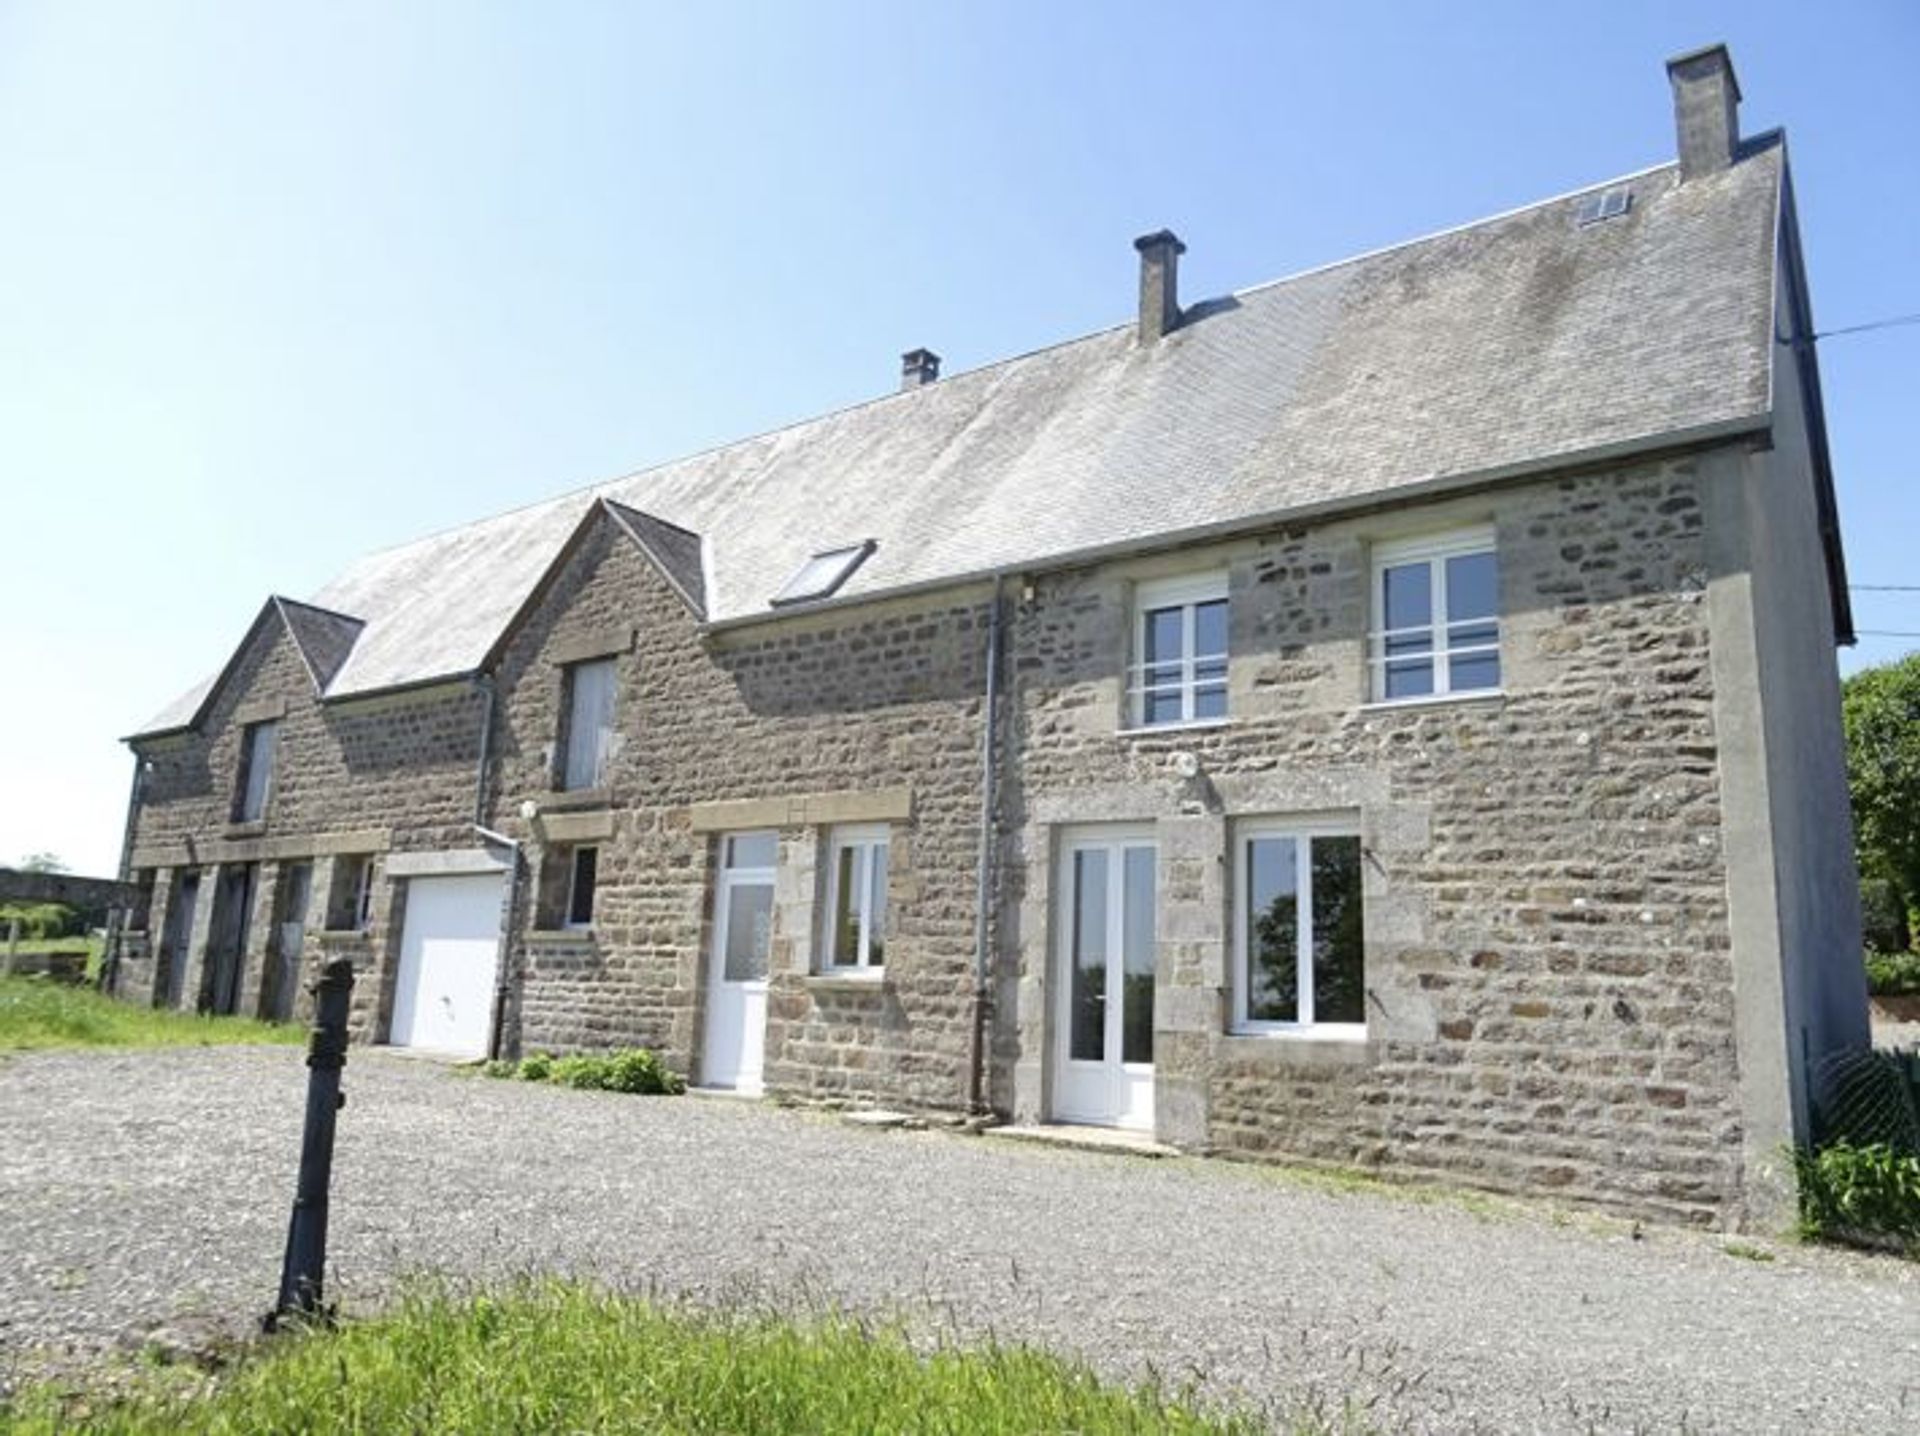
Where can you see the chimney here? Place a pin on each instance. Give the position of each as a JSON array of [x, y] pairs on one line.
[[917, 367], [1706, 110], [1159, 284]]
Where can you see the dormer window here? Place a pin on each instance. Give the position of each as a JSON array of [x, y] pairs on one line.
[[1179, 669], [258, 742]]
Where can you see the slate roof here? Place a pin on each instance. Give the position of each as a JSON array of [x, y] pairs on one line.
[[1507, 344]]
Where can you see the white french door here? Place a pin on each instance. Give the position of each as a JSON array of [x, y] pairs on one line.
[[742, 943], [1103, 1007]]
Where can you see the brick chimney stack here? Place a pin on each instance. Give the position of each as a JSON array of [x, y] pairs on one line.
[[918, 367], [1706, 110], [1159, 284]]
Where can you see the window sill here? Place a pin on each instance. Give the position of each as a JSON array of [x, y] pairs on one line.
[[1490, 696], [252, 828], [871, 981], [1300, 1046], [571, 800], [1192, 725], [344, 932]]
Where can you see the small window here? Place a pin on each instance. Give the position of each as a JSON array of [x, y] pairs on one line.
[[856, 901], [589, 695], [1299, 930], [822, 574], [585, 871], [1179, 672], [140, 915], [257, 744], [350, 905], [1436, 605]]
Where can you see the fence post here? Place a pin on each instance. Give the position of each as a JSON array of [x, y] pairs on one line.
[[304, 1267]]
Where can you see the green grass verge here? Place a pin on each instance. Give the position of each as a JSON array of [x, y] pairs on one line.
[[36, 1013], [559, 1357]]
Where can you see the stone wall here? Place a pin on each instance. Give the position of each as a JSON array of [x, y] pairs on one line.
[[1550, 992], [882, 702], [396, 773], [1549, 985]]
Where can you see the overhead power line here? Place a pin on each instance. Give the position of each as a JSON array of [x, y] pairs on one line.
[[1863, 328], [1887, 632], [1885, 587]]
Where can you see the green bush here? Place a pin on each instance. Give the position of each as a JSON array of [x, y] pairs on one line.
[[39, 921], [632, 1069], [639, 1070], [583, 1072], [1893, 974], [1854, 1193], [1883, 915]]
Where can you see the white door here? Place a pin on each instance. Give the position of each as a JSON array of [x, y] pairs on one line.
[[742, 942], [449, 946], [1103, 1011]]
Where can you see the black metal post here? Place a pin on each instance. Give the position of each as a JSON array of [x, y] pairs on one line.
[[306, 1259]]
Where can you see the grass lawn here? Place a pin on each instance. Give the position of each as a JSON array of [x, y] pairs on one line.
[[36, 1013], [560, 1357]]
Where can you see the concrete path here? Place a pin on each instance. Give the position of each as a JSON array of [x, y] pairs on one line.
[[150, 1191]]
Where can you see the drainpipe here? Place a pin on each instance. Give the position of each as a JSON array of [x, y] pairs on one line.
[[982, 965], [484, 685], [501, 983]]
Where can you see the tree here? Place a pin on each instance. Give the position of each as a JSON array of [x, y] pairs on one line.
[[42, 863], [1881, 710]]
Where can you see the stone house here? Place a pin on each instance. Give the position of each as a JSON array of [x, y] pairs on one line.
[[1387, 716]]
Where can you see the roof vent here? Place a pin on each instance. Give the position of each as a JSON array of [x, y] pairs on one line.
[[821, 575], [1601, 205]]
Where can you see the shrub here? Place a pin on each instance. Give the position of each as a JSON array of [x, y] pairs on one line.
[[39, 921], [500, 1068], [581, 1071], [639, 1070], [536, 1068], [1893, 974], [1869, 1193], [1883, 916]]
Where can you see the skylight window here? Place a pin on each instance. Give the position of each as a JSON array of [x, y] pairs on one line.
[[821, 575], [1606, 204]]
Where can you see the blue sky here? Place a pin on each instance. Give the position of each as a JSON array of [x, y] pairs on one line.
[[282, 284]]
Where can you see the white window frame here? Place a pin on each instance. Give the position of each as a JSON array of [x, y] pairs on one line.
[[1303, 831], [363, 896], [1433, 550], [256, 777], [876, 840], [567, 919], [584, 755], [1185, 593]]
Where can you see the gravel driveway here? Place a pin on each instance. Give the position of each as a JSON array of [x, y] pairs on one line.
[[147, 1190]]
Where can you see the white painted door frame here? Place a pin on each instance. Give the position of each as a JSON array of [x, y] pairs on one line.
[[733, 1054], [1098, 1086]]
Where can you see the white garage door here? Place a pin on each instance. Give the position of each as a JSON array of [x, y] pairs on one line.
[[443, 1001]]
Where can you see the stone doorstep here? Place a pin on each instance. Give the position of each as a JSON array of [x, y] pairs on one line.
[[1085, 1139]]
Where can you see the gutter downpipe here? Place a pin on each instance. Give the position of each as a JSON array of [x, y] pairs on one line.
[[484, 684], [983, 872]]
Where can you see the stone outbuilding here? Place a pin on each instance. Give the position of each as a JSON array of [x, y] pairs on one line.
[[1387, 716]]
